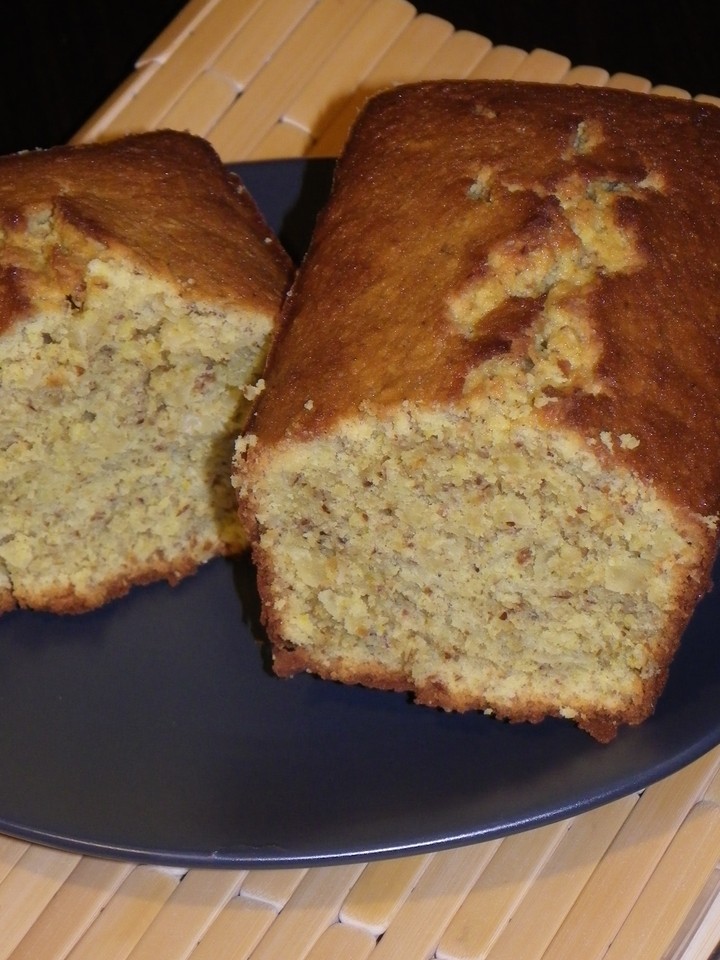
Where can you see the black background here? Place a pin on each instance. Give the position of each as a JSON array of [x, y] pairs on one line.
[[59, 61]]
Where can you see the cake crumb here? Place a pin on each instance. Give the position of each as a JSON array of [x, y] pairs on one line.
[[252, 391]]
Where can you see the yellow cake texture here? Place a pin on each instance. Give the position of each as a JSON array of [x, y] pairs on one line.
[[139, 288], [484, 467]]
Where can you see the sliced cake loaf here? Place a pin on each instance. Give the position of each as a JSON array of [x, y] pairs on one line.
[[484, 468], [139, 288]]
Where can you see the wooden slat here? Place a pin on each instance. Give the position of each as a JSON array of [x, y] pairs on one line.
[[587, 76], [670, 892], [713, 789], [421, 921], [665, 90], [213, 91], [127, 916], [383, 888], [542, 65], [603, 904], [263, 34], [404, 61], [500, 63], [703, 939], [27, 890], [202, 104], [151, 103], [558, 884], [100, 125], [325, 93], [253, 115], [457, 57], [349, 63], [11, 851], [177, 32], [187, 914], [274, 887], [72, 910], [341, 942], [236, 931], [283, 141], [406, 58], [313, 907], [628, 81], [498, 891]]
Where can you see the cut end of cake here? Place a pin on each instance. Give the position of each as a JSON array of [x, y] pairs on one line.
[[136, 310], [475, 559], [119, 410]]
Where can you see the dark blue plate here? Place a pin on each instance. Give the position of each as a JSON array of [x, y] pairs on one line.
[[153, 730]]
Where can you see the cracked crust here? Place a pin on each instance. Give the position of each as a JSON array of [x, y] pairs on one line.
[[644, 166]]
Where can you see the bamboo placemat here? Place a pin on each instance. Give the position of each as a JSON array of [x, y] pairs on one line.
[[264, 79], [637, 878]]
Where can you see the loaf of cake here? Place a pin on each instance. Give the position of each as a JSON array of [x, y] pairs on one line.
[[484, 466], [139, 289]]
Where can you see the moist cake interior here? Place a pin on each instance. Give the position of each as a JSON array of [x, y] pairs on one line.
[[119, 403], [474, 558]]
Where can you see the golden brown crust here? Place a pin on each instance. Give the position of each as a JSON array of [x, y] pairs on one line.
[[601, 725], [64, 598], [7, 601], [422, 243], [156, 196]]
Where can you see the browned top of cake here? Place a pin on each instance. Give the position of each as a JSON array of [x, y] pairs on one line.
[[164, 197], [461, 208]]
